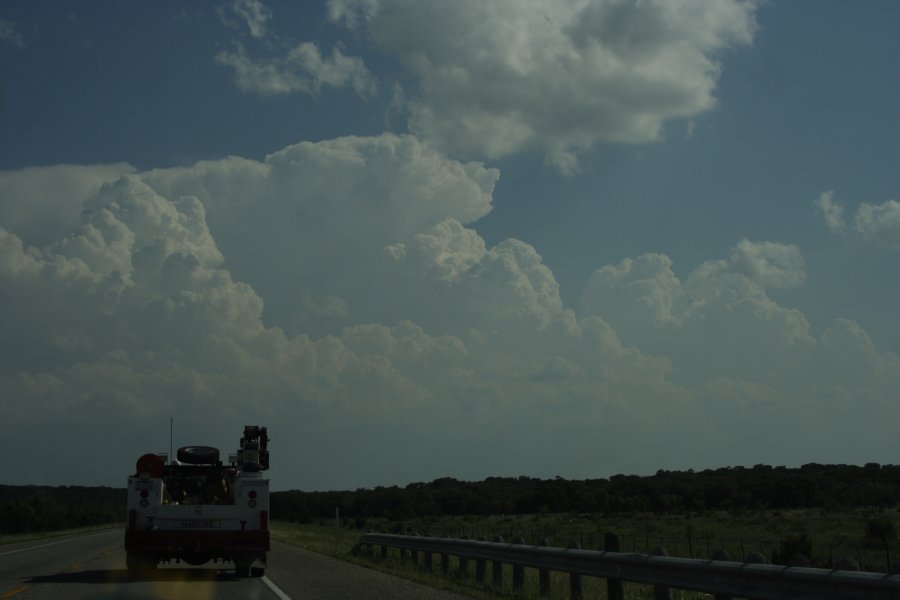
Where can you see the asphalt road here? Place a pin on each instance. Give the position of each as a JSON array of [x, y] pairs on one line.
[[92, 566]]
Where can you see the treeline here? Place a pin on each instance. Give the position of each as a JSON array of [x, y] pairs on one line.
[[836, 487], [30, 508]]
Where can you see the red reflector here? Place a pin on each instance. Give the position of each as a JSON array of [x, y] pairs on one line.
[[252, 494], [144, 493], [264, 520], [132, 519]]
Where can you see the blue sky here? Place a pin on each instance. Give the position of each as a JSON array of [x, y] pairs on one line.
[[671, 226]]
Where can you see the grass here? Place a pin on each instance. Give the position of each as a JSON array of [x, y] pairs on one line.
[[40, 535], [832, 536]]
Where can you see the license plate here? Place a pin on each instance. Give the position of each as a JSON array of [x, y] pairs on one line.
[[198, 524]]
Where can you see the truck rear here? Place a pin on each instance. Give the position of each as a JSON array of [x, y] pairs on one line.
[[198, 509]]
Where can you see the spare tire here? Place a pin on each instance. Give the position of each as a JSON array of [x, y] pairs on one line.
[[198, 455]]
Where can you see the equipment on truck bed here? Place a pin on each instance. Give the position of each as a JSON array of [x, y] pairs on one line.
[[197, 509]]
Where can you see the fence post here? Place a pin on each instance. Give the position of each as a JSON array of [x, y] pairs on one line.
[[497, 568], [575, 590], [518, 571], [544, 574], [660, 592], [614, 590]]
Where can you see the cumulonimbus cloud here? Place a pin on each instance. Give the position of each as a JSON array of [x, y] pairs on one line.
[[507, 76], [392, 318]]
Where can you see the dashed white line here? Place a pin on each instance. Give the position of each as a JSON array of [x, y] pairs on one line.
[[81, 537], [281, 595]]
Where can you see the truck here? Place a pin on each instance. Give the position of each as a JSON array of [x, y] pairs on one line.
[[197, 509]]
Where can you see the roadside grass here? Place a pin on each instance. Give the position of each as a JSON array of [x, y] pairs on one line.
[[831, 535], [13, 538]]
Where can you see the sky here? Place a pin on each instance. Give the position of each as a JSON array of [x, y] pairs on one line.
[[568, 238]]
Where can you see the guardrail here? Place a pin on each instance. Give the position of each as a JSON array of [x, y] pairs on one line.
[[723, 579]]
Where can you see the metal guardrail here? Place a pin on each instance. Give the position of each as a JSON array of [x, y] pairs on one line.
[[721, 578]]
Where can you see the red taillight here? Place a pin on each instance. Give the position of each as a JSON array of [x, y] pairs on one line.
[[132, 519], [263, 519], [144, 493], [252, 494]]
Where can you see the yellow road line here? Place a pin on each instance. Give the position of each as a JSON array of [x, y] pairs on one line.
[[12, 593]]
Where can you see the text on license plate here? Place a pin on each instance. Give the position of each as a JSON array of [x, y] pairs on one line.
[[198, 524]]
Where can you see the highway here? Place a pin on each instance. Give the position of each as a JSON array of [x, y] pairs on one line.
[[92, 566]]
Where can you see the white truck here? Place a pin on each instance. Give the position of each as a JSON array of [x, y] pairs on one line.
[[196, 509]]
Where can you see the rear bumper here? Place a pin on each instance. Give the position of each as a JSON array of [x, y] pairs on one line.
[[212, 544]]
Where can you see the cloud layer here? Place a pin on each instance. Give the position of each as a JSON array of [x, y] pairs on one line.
[[336, 292], [492, 79]]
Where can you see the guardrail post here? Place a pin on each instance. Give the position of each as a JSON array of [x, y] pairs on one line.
[[463, 563], [384, 552], [445, 560], [518, 571], [414, 554], [497, 567], [721, 555], [614, 589], [480, 565], [544, 574], [575, 590], [429, 561], [660, 592]]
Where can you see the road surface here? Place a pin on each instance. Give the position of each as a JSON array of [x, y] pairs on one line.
[[92, 566]]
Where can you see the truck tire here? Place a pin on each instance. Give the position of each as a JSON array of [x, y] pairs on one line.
[[198, 455]]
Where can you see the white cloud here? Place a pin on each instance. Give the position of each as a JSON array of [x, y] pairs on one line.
[[300, 69], [557, 77], [831, 211], [879, 224], [253, 13], [769, 264], [719, 322], [9, 33]]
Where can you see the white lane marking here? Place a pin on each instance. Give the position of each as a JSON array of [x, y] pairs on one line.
[[281, 595], [81, 537]]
